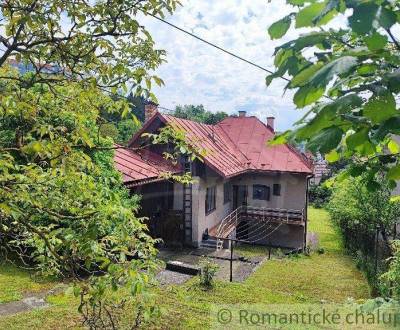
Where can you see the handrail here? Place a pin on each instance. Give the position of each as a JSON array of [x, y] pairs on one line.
[[230, 222]]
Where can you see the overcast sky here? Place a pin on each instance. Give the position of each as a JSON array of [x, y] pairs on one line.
[[198, 74]]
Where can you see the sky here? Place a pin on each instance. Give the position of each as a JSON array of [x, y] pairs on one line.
[[199, 74]]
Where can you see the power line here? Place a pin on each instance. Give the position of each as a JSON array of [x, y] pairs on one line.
[[213, 45], [220, 48]]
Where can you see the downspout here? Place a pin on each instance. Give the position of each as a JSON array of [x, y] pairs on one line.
[[306, 213]]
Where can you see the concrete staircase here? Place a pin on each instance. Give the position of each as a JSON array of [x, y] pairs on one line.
[[211, 243]]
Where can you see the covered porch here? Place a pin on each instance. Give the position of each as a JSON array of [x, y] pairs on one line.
[[276, 227]]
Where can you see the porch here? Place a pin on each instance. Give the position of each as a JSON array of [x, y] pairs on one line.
[[257, 225]]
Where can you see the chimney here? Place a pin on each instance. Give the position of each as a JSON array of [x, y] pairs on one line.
[[150, 108], [270, 122], [242, 113]]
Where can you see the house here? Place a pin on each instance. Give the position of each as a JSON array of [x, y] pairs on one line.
[[243, 188]]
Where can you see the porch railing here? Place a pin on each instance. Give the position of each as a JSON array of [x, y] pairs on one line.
[[231, 221]]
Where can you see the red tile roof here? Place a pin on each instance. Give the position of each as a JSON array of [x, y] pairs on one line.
[[251, 136], [233, 146], [143, 166]]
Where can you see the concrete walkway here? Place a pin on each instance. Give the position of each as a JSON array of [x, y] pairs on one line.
[[29, 302]]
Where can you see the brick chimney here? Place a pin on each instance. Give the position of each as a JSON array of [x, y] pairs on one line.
[[150, 108], [271, 122], [242, 113]]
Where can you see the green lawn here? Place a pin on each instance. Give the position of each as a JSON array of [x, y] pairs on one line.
[[14, 283], [331, 276]]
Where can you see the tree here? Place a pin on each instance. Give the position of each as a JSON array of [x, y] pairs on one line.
[[122, 128], [349, 78], [63, 209], [199, 114]]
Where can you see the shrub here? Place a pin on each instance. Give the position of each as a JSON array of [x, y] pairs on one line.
[[319, 195], [391, 279], [208, 270], [360, 214]]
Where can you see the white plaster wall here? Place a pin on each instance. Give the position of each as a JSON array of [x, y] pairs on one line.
[[293, 194], [293, 190], [201, 221]]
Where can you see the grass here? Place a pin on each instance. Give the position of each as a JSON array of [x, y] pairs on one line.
[[14, 283], [331, 276]]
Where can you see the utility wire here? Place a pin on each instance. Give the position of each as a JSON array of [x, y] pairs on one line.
[[213, 45], [219, 48]]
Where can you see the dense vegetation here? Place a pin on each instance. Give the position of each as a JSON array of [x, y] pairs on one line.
[[199, 113], [63, 209], [367, 221], [348, 75]]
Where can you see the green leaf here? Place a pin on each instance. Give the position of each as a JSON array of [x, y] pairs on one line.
[[306, 16], [279, 139], [307, 94], [336, 67], [376, 41], [387, 18], [278, 29], [327, 13], [332, 157], [367, 69], [304, 75], [380, 108], [393, 81], [308, 40], [357, 139], [363, 17], [394, 173], [393, 147], [326, 140], [323, 119], [392, 125]]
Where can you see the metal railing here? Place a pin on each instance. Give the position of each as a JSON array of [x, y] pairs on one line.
[[231, 221]]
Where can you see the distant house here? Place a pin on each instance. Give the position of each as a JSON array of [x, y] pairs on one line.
[[243, 189]]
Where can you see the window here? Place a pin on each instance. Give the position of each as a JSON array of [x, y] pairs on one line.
[[227, 193], [276, 189], [210, 199], [261, 192]]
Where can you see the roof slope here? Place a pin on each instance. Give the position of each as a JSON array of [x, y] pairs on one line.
[[221, 153], [251, 136], [141, 166], [233, 146]]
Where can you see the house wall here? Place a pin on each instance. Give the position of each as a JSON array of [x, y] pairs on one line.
[[293, 189], [201, 220], [293, 196]]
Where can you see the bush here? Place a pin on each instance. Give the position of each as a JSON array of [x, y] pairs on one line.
[[319, 195], [208, 270], [361, 213], [391, 279]]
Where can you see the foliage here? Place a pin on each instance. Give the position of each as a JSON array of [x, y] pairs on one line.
[[360, 214], [199, 114], [63, 208], [285, 281], [208, 270], [319, 195], [391, 278], [177, 144], [348, 73], [64, 211], [121, 126]]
